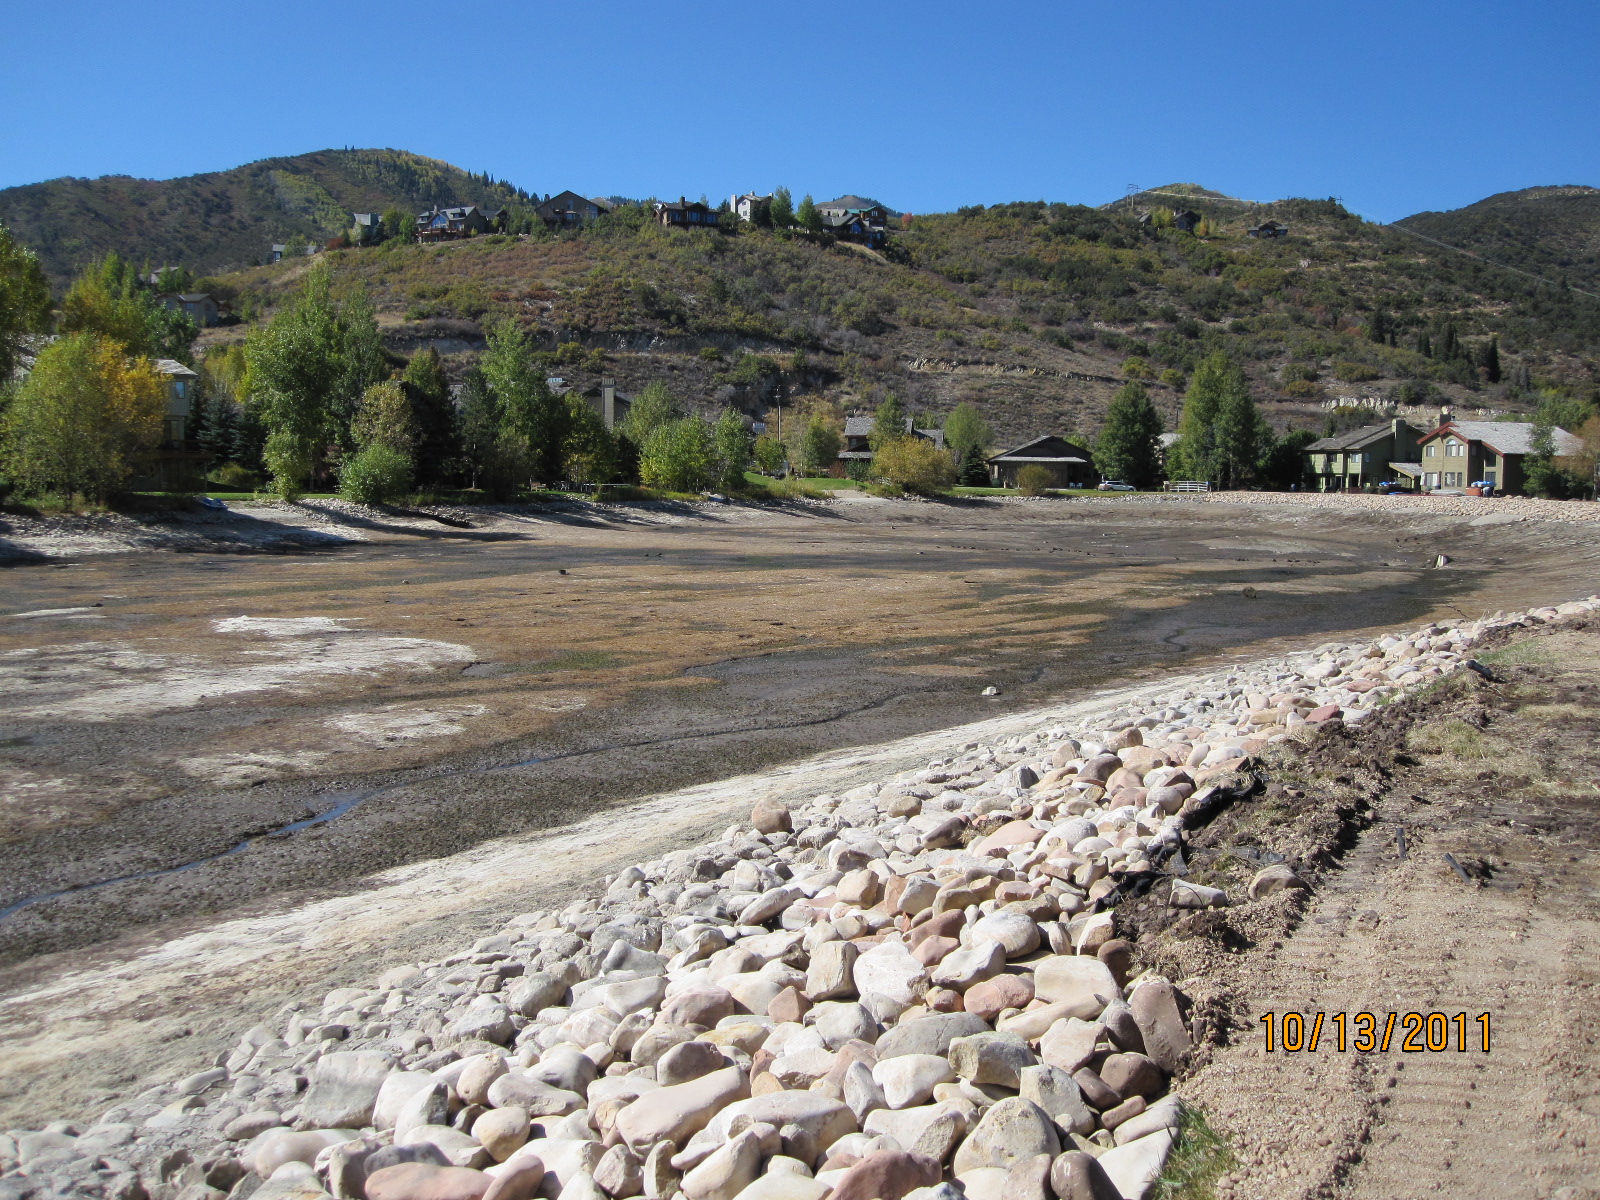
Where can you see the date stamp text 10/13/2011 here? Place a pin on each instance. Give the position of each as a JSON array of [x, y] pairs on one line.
[[1365, 1032]]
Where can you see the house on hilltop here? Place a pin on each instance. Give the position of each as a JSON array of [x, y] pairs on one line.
[[1188, 220], [856, 219], [568, 210], [1358, 458], [448, 224], [368, 228], [1069, 465], [686, 214], [750, 207], [1268, 229], [1463, 453]]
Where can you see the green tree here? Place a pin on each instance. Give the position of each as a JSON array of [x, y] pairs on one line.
[[819, 447], [24, 301], [770, 454], [84, 418], [434, 414], [888, 423], [532, 418], [398, 225], [477, 424], [1489, 360], [915, 464], [781, 210], [974, 468], [1221, 433], [807, 215], [730, 438], [307, 371], [1284, 464], [385, 418], [678, 456], [653, 407], [589, 454], [379, 474], [1128, 447], [965, 430], [108, 299]]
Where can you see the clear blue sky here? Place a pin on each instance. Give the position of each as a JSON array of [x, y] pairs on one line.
[[1395, 107]]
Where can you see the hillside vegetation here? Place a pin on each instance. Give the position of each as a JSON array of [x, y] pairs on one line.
[[1034, 312], [227, 219], [1551, 231]]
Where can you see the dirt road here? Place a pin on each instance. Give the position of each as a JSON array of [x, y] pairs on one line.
[[1504, 777]]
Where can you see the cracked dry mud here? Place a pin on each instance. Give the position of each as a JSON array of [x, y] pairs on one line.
[[1503, 776]]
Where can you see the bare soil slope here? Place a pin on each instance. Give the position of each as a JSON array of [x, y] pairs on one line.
[[1502, 775]]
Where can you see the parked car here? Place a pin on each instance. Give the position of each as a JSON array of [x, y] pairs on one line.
[[1115, 485]]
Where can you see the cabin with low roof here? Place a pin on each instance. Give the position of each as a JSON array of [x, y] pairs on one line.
[[1070, 466]]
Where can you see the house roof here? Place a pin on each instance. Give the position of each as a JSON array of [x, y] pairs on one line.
[[849, 204], [862, 427], [1506, 437], [193, 297], [1352, 439], [682, 205], [1051, 447], [1167, 440], [169, 366]]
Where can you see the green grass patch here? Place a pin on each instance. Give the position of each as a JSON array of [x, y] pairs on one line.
[[1199, 1158], [1454, 739], [1529, 652], [579, 660], [761, 487]]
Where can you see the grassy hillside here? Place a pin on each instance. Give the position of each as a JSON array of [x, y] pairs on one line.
[[1551, 231], [1035, 312], [227, 219]]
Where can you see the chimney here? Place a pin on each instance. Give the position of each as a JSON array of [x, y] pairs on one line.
[[1445, 415], [608, 402]]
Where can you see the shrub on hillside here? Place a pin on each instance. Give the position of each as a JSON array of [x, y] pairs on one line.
[[915, 464], [378, 475]]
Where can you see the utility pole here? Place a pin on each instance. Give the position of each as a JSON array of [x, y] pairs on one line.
[[1133, 190]]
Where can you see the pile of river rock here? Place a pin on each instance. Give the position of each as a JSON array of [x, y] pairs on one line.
[[912, 990]]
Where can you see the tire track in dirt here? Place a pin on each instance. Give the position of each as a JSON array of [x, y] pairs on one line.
[[1385, 933]]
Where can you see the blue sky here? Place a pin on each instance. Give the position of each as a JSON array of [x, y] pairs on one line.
[[1394, 107]]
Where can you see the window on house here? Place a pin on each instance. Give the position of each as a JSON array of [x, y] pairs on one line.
[[1453, 449], [1452, 479], [1431, 450], [1431, 479]]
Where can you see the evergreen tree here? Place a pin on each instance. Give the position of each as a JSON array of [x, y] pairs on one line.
[[477, 424], [1379, 328], [1424, 344], [434, 415], [1489, 360], [1128, 447], [974, 470], [888, 422]]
